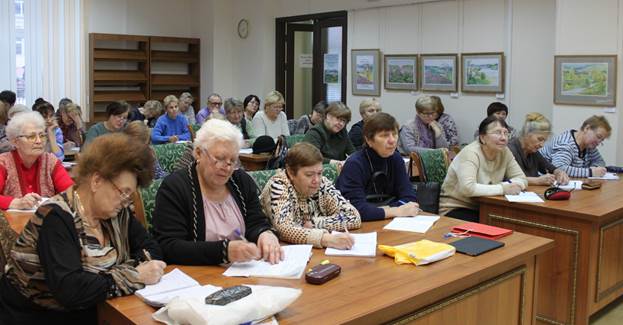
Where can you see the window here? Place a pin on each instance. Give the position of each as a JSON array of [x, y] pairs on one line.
[[20, 61]]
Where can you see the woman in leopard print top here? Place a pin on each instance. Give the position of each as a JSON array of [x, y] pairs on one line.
[[305, 206]]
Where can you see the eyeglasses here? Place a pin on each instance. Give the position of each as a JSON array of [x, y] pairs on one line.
[[429, 114], [500, 134], [126, 198], [222, 163], [33, 137], [215, 103], [121, 117]]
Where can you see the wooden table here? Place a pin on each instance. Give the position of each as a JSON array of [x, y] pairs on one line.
[[494, 288], [252, 161], [584, 272]]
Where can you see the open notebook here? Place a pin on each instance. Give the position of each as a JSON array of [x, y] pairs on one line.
[[292, 267], [174, 284], [365, 245]]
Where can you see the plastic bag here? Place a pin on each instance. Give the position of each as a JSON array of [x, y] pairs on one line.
[[419, 253]]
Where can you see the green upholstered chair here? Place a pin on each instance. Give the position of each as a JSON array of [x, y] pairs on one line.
[[433, 165], [261, 177], [169, 153], [294, 139], [144, 207], [331, 172]]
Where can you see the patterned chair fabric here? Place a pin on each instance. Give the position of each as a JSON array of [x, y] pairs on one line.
[[169, 153], [434, 165], [261, 177], [7, 239], [148, 198], [292, 125], [294, 139]]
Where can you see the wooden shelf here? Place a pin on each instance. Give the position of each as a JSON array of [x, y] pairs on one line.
[[118, 37], [174, 80], [119, 75], [119, 55], [164, 39], [111, 96], [172, 56]]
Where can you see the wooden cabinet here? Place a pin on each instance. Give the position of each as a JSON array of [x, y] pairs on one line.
[[138, 68]]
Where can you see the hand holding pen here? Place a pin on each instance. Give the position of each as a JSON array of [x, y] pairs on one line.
[[511, 188], [241, 250], [150, 271]]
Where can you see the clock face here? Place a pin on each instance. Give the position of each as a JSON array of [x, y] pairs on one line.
[[243, 28]]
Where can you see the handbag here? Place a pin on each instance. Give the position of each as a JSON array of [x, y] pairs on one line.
[[427, 195]]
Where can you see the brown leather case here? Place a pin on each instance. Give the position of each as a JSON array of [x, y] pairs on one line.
[[322, 273]]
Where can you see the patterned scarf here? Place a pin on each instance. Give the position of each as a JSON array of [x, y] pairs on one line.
[[426, 134]]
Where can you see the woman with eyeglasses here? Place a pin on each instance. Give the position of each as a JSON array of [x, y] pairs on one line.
[[374, 179], [423, 132], [28, 173], [271, 121], [84, 245], [575, 152], [525, 148], [485, 167], [305, 206], [116, 118], [210, 213], [172, 126], [330, 136]]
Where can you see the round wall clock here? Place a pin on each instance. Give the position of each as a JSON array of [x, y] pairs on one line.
[[243, 28]]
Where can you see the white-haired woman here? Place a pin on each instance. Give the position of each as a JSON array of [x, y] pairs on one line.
[[209, 213], [170, 127], [272, 121], [28, 173], [525, 148]]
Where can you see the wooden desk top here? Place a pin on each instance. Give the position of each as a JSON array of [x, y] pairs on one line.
[[261, 157], [371, 290], [596, 205]]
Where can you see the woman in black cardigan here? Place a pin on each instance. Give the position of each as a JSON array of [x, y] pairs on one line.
[[209, 213]]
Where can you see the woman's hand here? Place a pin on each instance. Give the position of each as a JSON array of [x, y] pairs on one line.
[[337, 240], [173, 139], [77, 119], [598, 171], [151, 272], [511, 188], [561, 177], [545, 179], [28, 201], [269, 247], [242, 251], [410, 209], [437, 129]]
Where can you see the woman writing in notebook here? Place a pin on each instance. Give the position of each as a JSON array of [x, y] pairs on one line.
[[525, 148], [305, 206], [209, 213], [83, 245]]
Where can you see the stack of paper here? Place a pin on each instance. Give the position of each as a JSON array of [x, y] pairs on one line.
[[365, 245], [529, 197], [174, 284], [572, 186], [419, 223], [292, 267], [608, 176]]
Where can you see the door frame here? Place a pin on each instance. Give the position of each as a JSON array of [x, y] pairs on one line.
[[320, 20]]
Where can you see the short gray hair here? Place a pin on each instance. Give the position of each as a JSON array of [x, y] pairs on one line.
[[153, 106], [232, 103], [18, 108], [186, 95], [19, 121], [424, 103], [218, 130]]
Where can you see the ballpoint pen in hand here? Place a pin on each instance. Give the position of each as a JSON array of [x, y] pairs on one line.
[[147, 255], [240, 235]]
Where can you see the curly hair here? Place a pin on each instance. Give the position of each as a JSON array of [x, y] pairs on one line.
[[111, 154]]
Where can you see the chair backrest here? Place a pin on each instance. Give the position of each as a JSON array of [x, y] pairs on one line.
[[294, 139], [261, 177], [169, 153], [433, 164], [292, 125], [7, 240], [146, 203]]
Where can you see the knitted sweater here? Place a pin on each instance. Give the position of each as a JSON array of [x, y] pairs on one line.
[[167, 127]]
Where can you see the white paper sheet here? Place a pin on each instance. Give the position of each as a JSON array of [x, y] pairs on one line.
[[529, 197], [292, 267], [419, 224], [572, 186], [608, 176], [43, 199], [246, 150], [365, 245], [173, 284]]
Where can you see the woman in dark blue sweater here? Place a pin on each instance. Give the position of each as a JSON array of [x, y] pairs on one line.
[[374, 178]]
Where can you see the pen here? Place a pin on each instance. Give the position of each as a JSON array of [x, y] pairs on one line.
[[344, 223], [147, 255], [240, 235], [402, 202]]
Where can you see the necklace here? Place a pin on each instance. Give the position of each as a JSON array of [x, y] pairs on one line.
[[85, 222]]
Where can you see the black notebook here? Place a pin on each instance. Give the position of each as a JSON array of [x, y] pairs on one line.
[[475, 246]]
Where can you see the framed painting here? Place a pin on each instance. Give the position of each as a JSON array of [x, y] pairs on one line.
[[401, 71], [438, 72], [366, 72], [482, 72], [585, 80]]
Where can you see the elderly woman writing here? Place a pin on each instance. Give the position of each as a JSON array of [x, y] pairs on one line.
[[305, 206], [84, 245], [423, 132], [28, 172], [209, 213], [484, 167], [526, 147]]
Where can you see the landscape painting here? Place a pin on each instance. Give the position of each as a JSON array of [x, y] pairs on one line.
[[585, 80], [366, 76], [482, 72], [438, 72], [401, 72]]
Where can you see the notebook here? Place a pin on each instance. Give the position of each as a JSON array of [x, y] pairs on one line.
[[365, 245], [527, 197], [292, 267], [174, 284], [481, 230], [419, 224], [475, 246]]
